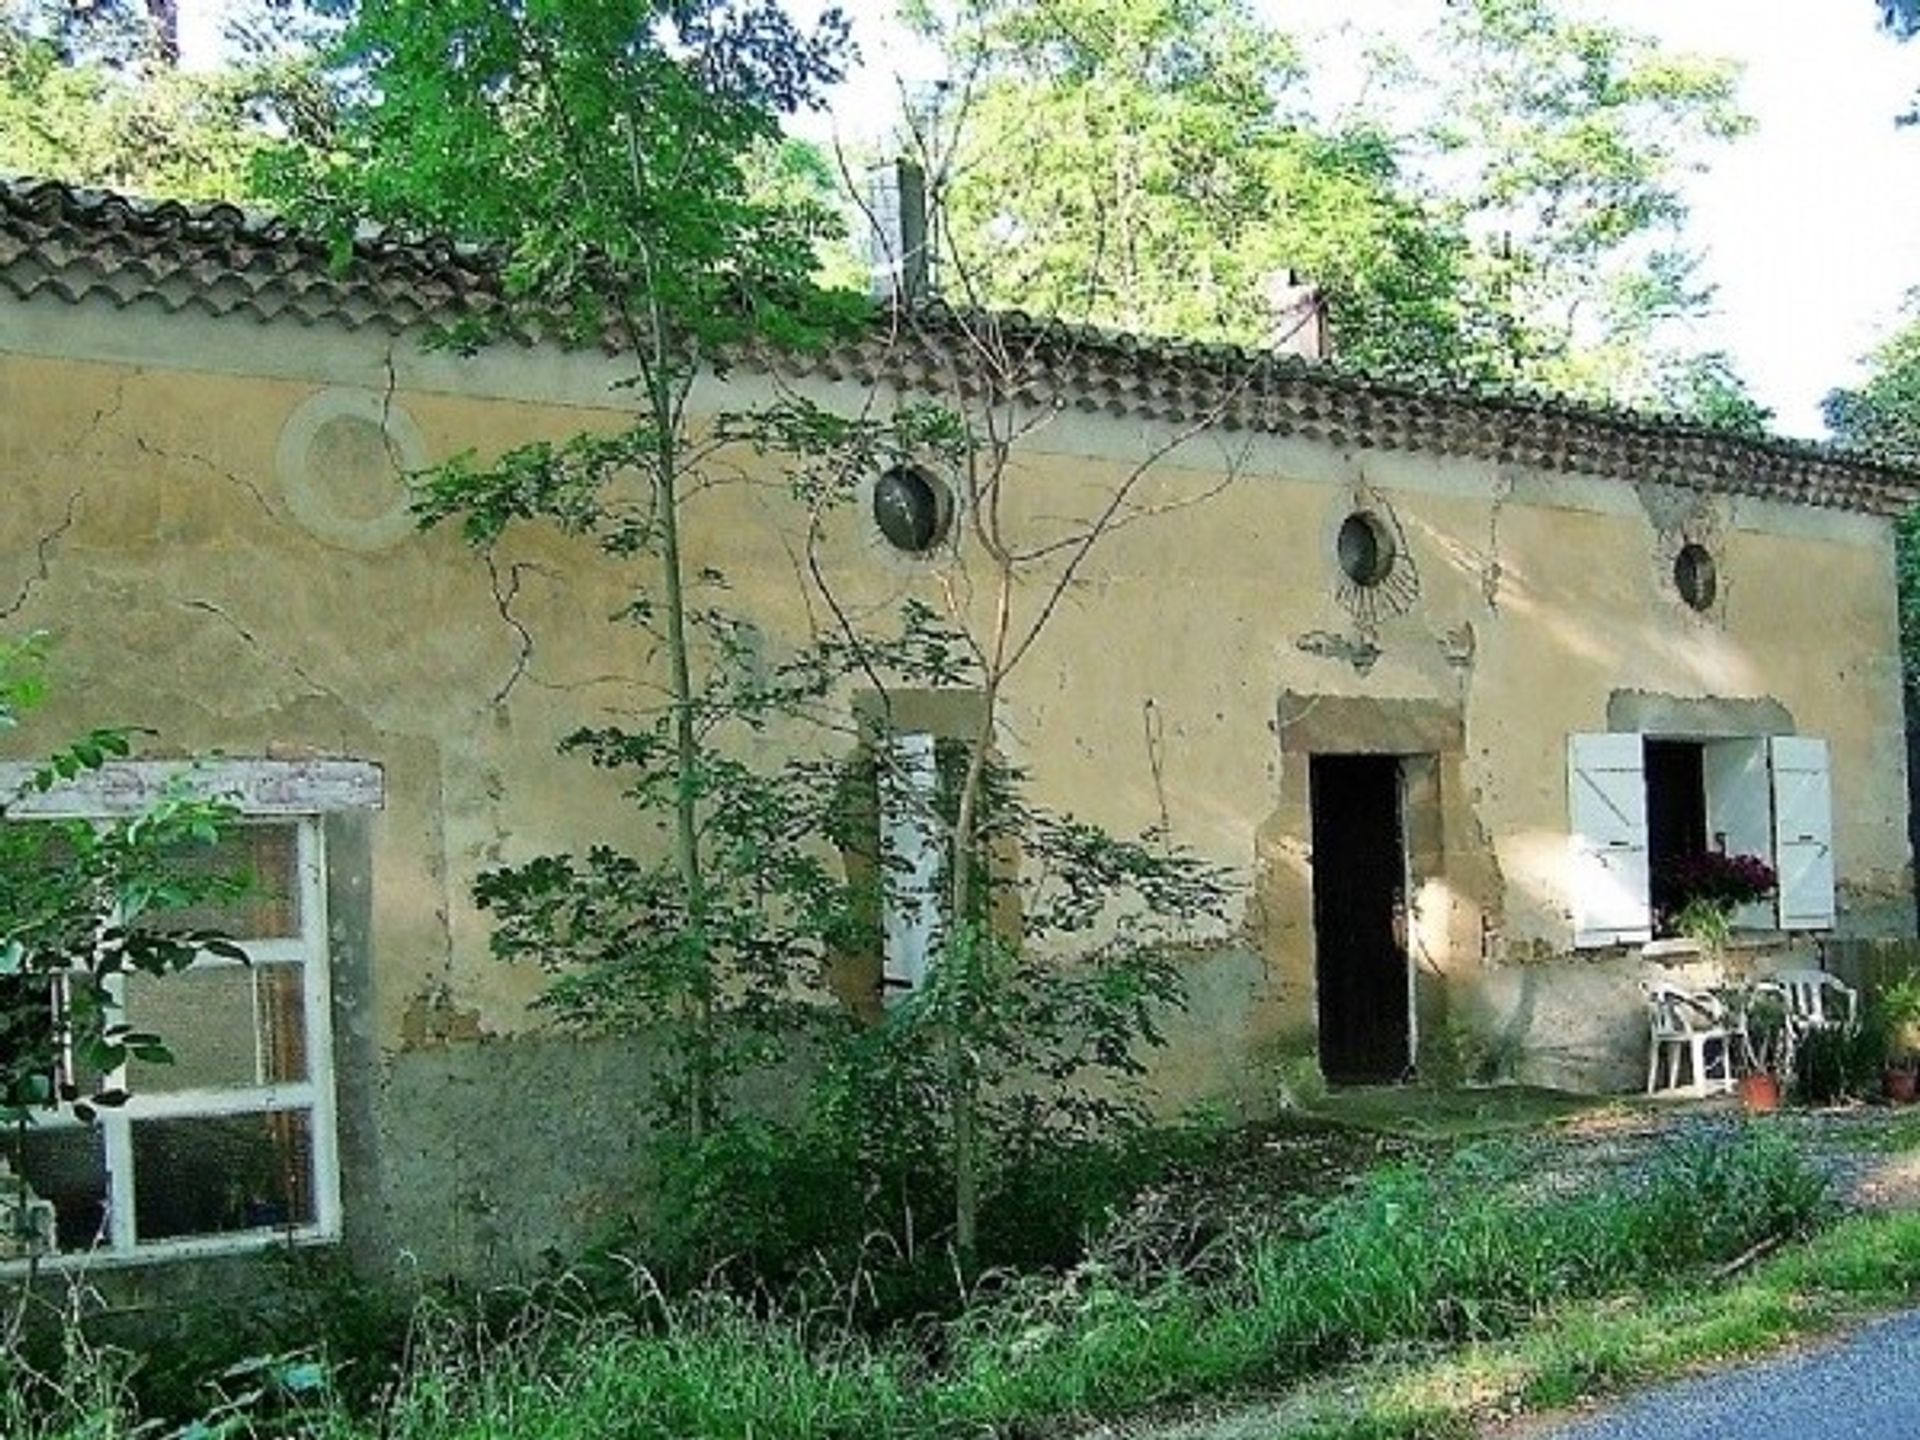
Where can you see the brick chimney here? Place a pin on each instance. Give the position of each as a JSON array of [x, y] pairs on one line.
[[1298, 309], [897, 203]]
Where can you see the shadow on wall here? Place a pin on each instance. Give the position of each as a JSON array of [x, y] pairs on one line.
[[498, 1157], [1560, 1026]]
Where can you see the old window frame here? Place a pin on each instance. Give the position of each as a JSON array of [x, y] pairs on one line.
[[292, 793]]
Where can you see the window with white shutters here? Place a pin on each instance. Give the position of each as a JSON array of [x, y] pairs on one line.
[[1803, 832], [1766, 797], [1607, 802]]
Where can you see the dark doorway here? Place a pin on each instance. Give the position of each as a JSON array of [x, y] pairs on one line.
[[1359, 919], [1676, 814]]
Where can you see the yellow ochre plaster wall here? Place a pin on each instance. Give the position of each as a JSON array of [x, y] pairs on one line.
[[207, 518]]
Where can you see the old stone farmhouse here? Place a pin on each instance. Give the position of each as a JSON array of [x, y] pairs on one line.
[[1442, 678]]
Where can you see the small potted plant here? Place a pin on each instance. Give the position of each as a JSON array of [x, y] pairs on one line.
[[1697, 894], [1767, 1052], [1895, 1011]]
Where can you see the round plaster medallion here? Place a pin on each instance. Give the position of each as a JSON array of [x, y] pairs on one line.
[[343, 460]]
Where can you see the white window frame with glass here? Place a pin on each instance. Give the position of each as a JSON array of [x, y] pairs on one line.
[[1769, 796], [286, 794], [909, 861]]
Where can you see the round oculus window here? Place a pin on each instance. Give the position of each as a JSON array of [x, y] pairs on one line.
[[1365, 548], [911, 509], [1695, 576]]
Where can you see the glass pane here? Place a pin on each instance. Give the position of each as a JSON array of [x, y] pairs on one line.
[[207, 1175], [266, 858], [32, 1052], [63, 1209], [228, 1026]]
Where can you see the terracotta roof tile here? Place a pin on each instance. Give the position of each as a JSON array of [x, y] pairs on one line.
[[79, 245]]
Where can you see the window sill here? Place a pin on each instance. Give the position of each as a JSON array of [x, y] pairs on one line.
[[1677, 948], [1751, 942], [203, 1247]]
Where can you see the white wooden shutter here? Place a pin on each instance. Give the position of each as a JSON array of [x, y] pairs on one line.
[[1803, 832], [1607, 811], [1740, 811], [910, 860]]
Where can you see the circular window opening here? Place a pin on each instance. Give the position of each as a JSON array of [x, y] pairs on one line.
[[1695, 576], [912, 509], [1365, 548]]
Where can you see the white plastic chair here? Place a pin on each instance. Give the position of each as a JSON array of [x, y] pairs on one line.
[[1813, 1000], [1686, 1025]]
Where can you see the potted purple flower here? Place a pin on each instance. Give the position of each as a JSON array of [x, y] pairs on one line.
[[1699, 893]]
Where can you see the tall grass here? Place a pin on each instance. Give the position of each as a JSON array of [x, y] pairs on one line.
[[1469, 1249]]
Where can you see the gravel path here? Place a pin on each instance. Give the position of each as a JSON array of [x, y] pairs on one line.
[[1854, 1146]]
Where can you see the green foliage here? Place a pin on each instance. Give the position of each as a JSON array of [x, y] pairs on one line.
[[1569, 139], [92, 116], [1475, 1248], [1707, 389], [167, 134], [608, 150], [1831, 1065], [614, 155], [602, 145], [1509, 212], [1883, 416], [78, 906], [1129, 164]]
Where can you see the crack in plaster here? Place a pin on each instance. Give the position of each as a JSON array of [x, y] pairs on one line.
[[1492, 572], [116, 401], [294, 667], [387, 400], [43, 559], [194, 457], [504, 594]]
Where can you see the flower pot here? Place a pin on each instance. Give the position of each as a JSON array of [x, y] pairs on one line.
[[1899, 1084], [1760, 1093]]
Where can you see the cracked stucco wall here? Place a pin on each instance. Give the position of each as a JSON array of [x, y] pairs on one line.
[[210, 534]]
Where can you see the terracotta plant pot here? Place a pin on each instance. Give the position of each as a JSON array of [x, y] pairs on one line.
[[1760, 1093], [1899, 1084]]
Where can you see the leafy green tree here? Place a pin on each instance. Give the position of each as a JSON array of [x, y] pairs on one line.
[[1510, 210], [1129, 163], [114, 34], [87, 95], [616, 152], [1883, 415], [1708, 389], [603, 146], [1562, 144], [162, 132]]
